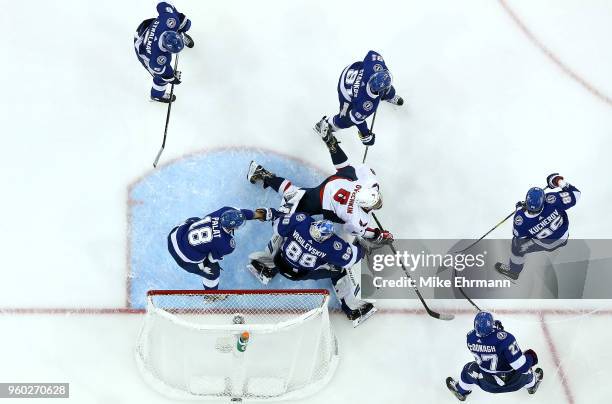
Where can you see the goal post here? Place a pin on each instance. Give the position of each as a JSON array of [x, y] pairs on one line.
[[251, 345]]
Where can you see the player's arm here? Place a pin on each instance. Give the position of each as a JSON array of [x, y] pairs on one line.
[[519, 361], [389, 94], [264, 214], [285, 226], [569, 194], [519, 229], [347, 254]]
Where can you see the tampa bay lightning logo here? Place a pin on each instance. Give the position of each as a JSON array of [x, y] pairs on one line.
[[377, 67], [233, 243], [551, 198], [502, 335], [337, 246], [300, 217], [518, 220], [368, 105], [161, 60], [171, 23]]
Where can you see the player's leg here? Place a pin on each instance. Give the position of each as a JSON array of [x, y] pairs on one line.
[[346, 289], [258, 173], [210, 272], [158, 91], [463, 387]]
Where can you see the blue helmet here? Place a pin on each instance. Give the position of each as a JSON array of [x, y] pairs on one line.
[[321, 230], [380, 81], [172, 41], [232, 219], [484, 323], [534, 199]]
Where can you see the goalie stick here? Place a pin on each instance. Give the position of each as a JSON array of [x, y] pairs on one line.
[[167, 116]]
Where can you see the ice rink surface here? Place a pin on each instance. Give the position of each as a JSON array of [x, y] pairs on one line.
[[498, 95]]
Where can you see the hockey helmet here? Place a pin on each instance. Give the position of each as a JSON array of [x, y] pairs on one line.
[[484, 324], [369, 197], [232, 219], [321, 230], [534, 200], [172, 41], [380, 81]]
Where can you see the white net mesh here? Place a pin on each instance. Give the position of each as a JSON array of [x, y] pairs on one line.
[[189, 344]]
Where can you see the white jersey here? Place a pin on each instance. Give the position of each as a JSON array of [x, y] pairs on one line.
[[338, 196]]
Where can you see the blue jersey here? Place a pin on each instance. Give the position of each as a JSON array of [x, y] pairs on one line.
[[552, 222], [198, 239], [303, 253], [497, 353], [353, 88], [154, 57]]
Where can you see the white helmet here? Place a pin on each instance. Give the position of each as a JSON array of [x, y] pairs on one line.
[[369, 197]]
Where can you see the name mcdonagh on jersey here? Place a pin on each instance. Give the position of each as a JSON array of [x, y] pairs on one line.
[[436, 282]]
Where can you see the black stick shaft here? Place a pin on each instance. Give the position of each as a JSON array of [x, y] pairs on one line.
[[365, 153], [439, 316], [167, 117]]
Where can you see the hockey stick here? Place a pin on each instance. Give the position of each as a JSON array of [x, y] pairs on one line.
[[439, 316], [365, 153], [167, 116]]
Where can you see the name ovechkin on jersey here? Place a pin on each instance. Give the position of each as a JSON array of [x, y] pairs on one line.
[[309, 248], [544, 223]]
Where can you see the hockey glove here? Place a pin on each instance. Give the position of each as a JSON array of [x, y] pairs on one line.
[[188, 40], [499, 325], [554, 180], [520, 205], [268, 214], [367, 139], [176, 79], [382, 237], [534, 357]]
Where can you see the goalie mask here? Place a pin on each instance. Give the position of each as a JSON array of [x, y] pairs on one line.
[[369, 198], [321, 230]]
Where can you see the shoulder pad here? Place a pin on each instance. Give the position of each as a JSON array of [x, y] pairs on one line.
[[300, 217], [502, 335], [518, 220], [551, 198]]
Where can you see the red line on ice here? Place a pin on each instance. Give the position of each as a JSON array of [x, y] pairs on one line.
[[554, 58], [555, 355]]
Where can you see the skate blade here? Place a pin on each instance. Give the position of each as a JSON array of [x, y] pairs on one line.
[[363, 319]]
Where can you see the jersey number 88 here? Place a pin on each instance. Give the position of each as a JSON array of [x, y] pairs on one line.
[[294, 252]]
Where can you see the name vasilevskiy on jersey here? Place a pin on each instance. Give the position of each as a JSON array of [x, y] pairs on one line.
[[297, 237]]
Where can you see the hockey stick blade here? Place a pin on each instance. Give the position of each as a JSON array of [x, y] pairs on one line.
[[157, 158]]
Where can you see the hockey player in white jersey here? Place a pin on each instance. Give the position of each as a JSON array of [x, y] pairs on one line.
[[348, 197]]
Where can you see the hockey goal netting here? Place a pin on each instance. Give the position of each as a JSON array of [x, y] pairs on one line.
[[192, 344]]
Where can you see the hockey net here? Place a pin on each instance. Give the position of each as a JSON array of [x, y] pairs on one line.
[[192, 344]]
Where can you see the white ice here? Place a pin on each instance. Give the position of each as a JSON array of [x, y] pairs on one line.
[[487, 115]]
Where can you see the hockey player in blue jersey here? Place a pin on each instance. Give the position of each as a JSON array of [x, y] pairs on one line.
[[198, 244], [309, 249], [155, 41], [540, 223], [500, 366], [361, 87]]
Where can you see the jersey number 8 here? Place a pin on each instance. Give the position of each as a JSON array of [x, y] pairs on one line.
[[294, 252], [200, 235]]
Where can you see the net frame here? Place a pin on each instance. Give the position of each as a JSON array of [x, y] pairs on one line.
[[321, 312]]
